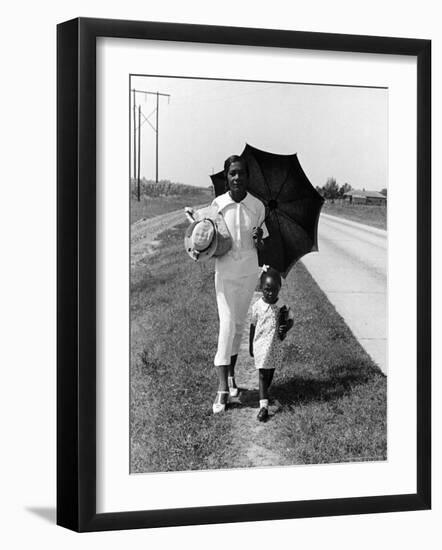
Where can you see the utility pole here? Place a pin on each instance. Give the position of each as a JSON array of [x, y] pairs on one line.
[[139, 151], [158, 112], [135, 134], [156, 127]]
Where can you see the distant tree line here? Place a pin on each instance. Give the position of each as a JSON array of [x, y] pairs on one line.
[[163, 188], [331, 189]]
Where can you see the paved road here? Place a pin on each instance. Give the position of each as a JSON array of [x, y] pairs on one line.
[[351, 268]]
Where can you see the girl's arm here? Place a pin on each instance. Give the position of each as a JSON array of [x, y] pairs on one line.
[[251, 337]]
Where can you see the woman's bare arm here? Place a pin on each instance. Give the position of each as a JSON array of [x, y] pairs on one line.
[[257, 234]]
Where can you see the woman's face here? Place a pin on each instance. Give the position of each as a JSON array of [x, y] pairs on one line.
[[237, 179]]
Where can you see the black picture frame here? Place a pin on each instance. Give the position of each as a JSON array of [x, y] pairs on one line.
[[77, 287]]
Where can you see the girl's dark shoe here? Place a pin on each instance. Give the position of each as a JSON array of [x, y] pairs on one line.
[[263, 414], [233, 389]]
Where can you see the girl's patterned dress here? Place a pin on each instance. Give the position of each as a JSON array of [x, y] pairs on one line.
[[267, 347]]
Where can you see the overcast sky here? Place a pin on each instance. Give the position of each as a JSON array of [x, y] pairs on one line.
[[338, 132]]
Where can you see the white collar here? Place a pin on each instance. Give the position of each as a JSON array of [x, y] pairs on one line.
[[225, 199]]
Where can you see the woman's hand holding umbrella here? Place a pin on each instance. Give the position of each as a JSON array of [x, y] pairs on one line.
[[257, 234]]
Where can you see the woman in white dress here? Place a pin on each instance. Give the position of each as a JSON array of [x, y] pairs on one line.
[[237, 272]]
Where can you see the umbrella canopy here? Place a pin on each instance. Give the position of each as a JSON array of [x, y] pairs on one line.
[[292, 206]]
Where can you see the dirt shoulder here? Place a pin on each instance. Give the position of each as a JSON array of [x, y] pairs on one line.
[[144, 233]]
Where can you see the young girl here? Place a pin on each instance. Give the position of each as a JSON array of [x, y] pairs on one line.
[[270, 322]]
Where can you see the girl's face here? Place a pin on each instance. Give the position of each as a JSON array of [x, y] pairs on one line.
[[270, 290]]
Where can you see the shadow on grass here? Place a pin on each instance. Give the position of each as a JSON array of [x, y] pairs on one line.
[[247, 399], [338, 382]]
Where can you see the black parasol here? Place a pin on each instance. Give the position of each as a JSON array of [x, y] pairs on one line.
[[292, 206]]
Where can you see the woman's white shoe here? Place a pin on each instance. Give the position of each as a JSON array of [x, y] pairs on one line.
[[219, 407]]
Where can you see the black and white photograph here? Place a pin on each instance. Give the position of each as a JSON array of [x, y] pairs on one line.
[[258, 273]]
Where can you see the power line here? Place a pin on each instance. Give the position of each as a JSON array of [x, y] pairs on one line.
[[146, 119], [139, 152], [135, 135], [150, 93]]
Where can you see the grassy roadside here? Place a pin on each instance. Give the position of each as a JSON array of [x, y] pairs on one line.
[[148, 207], [172, 375], [332, 397], [368, 214]]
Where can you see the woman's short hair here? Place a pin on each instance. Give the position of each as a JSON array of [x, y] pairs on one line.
[[230, 160], [272, 274]]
